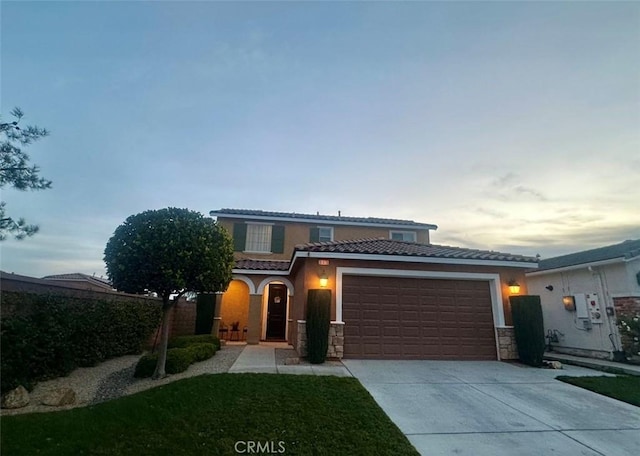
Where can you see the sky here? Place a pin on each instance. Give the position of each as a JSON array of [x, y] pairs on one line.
[[513, 126]]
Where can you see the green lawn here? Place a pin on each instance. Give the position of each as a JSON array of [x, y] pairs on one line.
[[623, 388], [209, 414]]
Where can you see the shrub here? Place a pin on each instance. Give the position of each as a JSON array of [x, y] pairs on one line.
[[185, 341], [146, 365], [178, 360], [48, 336], [318, 322], [200, 352], [205, 306], [529, 329], [629, 326]]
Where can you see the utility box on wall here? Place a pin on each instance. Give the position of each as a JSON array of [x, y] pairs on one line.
[[593, 304], [582, 311], [588, 308]]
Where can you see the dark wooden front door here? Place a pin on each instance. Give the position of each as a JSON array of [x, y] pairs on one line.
[[277, 311]]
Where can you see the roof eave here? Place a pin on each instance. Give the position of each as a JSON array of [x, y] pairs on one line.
[[411, 226], [581, 266], [411, 259], [260, 271]]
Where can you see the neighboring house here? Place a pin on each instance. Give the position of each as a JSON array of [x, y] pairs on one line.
[[394, 295], [583, 292], [76, 283], [84, 281]]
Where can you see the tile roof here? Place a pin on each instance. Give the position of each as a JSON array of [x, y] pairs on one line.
[[626, 249], [320, 217], [382, 246], [262, 265]]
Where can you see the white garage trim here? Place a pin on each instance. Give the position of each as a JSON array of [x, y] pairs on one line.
[[493, 279]]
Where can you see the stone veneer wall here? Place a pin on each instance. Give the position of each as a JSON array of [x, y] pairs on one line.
[[336, 339], [507, 343]]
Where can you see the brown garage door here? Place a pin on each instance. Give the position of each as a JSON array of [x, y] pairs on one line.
[[407, 318]]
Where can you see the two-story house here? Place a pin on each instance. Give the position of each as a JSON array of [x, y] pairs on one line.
[[394, 294]]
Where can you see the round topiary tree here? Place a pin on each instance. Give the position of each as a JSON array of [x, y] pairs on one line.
[[169, 252]]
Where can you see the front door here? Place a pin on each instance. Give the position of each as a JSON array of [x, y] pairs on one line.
[[277, 311]]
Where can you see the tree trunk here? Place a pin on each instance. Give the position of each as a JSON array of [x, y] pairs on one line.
[[164, 339]]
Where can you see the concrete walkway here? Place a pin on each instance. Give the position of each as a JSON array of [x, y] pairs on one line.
[[262, 359], [592, 363]]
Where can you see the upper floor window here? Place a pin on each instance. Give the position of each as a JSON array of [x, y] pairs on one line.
[[258, 238], [325, 234], [321, 234], [403, 236]]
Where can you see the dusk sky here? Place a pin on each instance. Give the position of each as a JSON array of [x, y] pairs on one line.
[[512, 126]]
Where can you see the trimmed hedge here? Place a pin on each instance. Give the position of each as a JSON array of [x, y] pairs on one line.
[[52, 335], [318, 322], [185, 341], [180, 355], [178, 360], [200, 352], [528, 328]]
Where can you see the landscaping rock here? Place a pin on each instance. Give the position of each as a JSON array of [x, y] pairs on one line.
[[290, 361], [59, 397], [16, 398]]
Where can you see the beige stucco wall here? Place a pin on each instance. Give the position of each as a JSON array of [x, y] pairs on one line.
[[235, 305], [298, 233]]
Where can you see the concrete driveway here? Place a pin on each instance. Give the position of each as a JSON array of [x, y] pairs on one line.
[[493, 408]]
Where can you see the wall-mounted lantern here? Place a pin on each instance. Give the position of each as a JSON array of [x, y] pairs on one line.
[[514, 287], [569, 303], [324, 280]]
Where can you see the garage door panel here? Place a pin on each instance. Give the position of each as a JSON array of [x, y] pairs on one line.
[[408, 318], [390, 331], [391, 316], [411, 332]]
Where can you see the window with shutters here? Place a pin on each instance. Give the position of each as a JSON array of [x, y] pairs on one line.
[[258, 238]]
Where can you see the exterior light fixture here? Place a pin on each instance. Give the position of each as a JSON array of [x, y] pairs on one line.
[[324, 280], [569, 303], [514, 287]]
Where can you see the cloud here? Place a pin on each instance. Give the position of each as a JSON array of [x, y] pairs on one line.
[[494, 213], [521, 189], [509, 187], [505, 180]]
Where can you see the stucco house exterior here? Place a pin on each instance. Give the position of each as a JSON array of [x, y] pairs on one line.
[[394, 294], [583, 293]]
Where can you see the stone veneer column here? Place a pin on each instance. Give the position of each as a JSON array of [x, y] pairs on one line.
[[336, 339], [254, 325], [507, 343]]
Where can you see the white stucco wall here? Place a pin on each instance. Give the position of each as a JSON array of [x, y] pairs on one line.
[[618, 279]]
